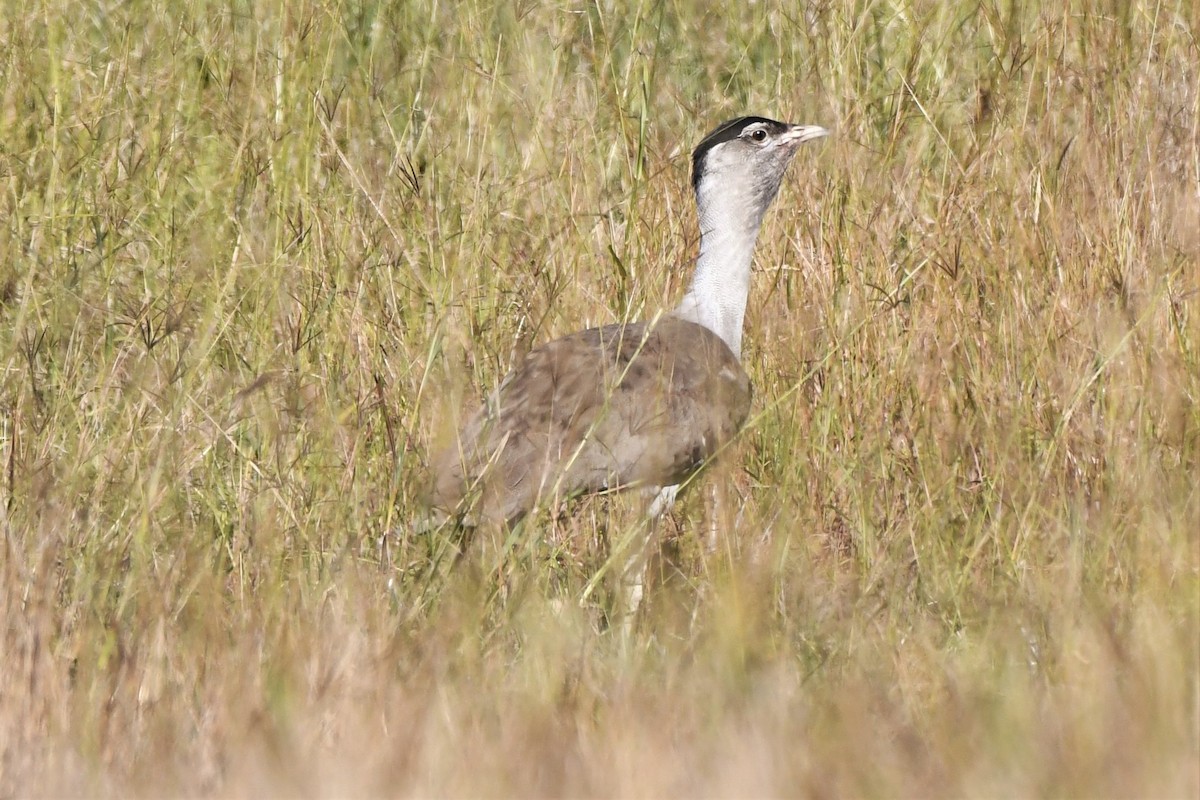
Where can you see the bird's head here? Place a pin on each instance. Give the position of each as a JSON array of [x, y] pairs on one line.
[[738, 167]]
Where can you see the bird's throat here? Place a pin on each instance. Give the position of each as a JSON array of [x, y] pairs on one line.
[[721, 284]]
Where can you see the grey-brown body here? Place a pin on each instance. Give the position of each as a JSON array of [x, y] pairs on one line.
[[629, 405], [641, 404]]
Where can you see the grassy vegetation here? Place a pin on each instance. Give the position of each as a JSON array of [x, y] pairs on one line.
[[256, 258]]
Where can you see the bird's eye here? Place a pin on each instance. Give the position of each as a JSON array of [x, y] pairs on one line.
[[759, 135]]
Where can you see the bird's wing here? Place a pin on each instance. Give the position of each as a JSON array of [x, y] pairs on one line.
[[605, 408]]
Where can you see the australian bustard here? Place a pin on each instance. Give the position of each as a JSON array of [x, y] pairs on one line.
[[638, 405]]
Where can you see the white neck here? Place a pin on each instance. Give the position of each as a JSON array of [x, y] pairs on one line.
[[721, 285]]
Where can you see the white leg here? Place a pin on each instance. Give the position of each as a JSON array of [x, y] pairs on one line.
[[714, 519], [662, 502], [633, 573], [633, 576]]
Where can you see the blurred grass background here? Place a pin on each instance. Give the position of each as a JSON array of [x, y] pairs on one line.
[[258, 257]]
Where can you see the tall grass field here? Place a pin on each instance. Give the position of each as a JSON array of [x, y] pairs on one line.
[[257, 260]]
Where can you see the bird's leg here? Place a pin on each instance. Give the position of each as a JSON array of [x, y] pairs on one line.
[[629, 556], [714, 517], [663, 500], [633, 574]]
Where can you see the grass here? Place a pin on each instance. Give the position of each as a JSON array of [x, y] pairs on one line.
[[257, 259]]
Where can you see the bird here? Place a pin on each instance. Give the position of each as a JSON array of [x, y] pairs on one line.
[[632, 406]]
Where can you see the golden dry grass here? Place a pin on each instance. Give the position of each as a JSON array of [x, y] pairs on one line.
[[255, 259]]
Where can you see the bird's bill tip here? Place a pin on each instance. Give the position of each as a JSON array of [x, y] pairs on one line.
[[798, 134]]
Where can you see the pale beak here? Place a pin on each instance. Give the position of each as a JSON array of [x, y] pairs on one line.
[[799, 134]]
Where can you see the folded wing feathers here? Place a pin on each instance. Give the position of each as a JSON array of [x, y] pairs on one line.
[[623, 405]]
